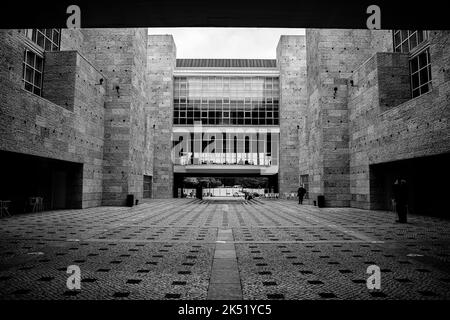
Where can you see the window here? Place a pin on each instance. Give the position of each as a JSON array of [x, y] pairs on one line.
[[37, 42], [420, 69], [47, 39], [227, 100], [33, 65], [415, 42], [147, 192], [407, 40]]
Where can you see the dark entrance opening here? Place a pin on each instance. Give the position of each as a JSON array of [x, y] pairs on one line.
[[187, 181], [147, 193], [58, 182], [427, 180]]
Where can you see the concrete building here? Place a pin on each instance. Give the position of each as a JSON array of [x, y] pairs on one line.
[[90, 116]]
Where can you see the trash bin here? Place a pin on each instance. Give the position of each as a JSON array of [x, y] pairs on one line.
[[320, 201], [130, 200]]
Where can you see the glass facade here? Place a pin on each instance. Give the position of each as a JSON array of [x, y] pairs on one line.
[[226, 148], [226, 100]]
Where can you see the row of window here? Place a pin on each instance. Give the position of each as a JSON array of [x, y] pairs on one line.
[[226, 121], [203, 101], [47, 39], [227, 90], [407, 40], [220, 148]]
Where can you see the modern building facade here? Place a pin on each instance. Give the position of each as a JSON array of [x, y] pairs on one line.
[[91, 116], [226, 119]]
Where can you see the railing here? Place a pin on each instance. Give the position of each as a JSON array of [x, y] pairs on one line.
[[228, 159]]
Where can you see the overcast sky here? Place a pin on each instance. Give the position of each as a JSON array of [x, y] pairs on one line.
[[256, 43]]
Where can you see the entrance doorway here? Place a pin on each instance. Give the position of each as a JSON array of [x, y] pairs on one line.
[[223, 186], [58, 183], [427, 179]]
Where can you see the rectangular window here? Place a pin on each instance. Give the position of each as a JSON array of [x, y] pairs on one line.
[[415, 42], [33, 65], [420, 69], [147, 192], [227, 98], [408, 40], [47, 39], [38, 41]]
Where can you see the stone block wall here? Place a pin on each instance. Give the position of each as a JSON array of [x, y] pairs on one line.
[[161, 63], [387, 125], [291, 61], [332, 57], [140, 113], [46, 126], [382, 82], [120, 54]]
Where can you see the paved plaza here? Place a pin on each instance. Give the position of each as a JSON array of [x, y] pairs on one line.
[[193, 249]]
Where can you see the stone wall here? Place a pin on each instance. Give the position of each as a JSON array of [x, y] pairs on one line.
[[120, 54], [161, 63], [387, 125], [332, 57], [64, 124], [291, 61]]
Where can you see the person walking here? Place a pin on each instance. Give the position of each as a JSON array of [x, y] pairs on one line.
[[401, 200], [301, 193]]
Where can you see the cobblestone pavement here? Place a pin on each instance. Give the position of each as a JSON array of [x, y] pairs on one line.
[[164, 249]]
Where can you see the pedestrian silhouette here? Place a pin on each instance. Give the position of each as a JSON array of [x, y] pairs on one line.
[[301, 193], [401, 199]]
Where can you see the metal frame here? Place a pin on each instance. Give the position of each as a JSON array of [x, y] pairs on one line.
[[414, 52], [31, 38], [245, 100]]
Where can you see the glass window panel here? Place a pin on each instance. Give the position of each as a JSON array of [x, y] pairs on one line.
[[37, 78], [424, 89], [420, 36], [55, 37], [404, 34], [413, 41], [37, 91], [414, 65], [48, 46], [422, 59], [415, 80], [397, 38], [424, 75], [28, 86], [30, 58], [405, 46], [29, 74], [40, 39]]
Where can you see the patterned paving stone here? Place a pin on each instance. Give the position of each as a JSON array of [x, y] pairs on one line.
[[164, 249]]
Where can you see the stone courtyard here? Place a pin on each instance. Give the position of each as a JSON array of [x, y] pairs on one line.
[[194, 249]]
